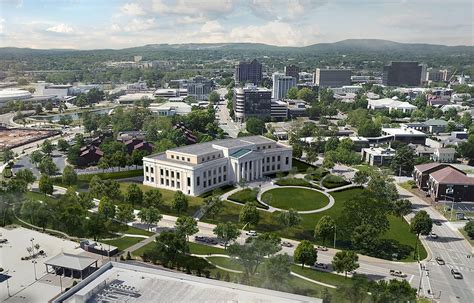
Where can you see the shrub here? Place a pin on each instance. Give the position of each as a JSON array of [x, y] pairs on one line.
[[333, 181]]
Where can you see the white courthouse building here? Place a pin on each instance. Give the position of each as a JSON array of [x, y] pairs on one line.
[[198, 168]]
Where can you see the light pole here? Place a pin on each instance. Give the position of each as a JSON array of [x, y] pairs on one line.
[[8, 285], [32, 245], [335, 235], [34, 267]]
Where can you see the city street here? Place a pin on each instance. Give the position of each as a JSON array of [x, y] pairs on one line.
[[453, 249], [223, 116]]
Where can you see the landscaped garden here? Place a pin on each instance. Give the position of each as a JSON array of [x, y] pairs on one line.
[[333, 181], [245, 196], [296, 198], [123, 242], [293, 182]]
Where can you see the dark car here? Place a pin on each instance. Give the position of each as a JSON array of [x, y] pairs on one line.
[[440, 261], [456, 274], [437, 222]]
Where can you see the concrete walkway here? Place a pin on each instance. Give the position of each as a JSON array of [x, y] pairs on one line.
[[273, 209]]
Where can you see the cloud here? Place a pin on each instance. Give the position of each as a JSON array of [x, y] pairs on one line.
[[212, 27], [132, 9], [140, 24], [209, 8], [60, 28], [284, 10], [2, 26]]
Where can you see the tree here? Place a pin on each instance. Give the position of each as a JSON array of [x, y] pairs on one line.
[[306, 94], [466, 120], [153, 197], [47, 166], [180, 202], [95, 226], [150, 216], [227, 232], [187, 226], [345, 261], [276, 271], [305, 253], [331, 144], [421, 224], [255, 126], [134, 195], [356, 291], [214, 97], [361, 177], [392, 291], [106, 208], [469, 229], [45, 185], [249, 214], [325, 228], [36, 157], [25, 175], [63, 145], [402, 208], [47, 148], [369, 129], [8, 155], [253, 253], [364, 238], [212, 206], [171, 245], [288, 219], [292, 93], [403, 161], [125, 213], [69, 176]]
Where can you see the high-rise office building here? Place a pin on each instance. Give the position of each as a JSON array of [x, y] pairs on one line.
[[252, 101], [248, 72], [402, 74], [437, 75], [292, 71], [332, 77], [281, 85], [200, 87]]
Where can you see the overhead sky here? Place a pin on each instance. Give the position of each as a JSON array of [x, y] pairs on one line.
[[92, 24]]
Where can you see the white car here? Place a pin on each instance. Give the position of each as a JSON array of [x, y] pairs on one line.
[[433, 236], [397, 273], [251, 233]]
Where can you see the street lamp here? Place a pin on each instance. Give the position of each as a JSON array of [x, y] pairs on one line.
[[34, 268], [8, 285], [32, 245], [335, 235]]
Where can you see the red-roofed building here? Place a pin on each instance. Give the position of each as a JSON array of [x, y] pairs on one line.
[[421, 173], [90, 155], [450, 184], [138, 144]]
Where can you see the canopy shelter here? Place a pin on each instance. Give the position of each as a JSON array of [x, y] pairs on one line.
[[71, 265]]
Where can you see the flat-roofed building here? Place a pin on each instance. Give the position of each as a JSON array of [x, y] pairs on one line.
[[378, 156], [390, 105], [402, 74], [248, 72], [292, 71], [405, 135], [281, 85], [252, 101], [332, 77], [199, 168], [279, 110]]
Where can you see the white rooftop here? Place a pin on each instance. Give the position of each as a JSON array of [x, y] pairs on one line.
[[403, 131], [71, 261], [390, 103]]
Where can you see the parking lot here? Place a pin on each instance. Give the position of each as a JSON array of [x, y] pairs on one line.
[[18, 276]]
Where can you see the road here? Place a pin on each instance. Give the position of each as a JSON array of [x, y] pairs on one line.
[[454, 249], [224, 119]]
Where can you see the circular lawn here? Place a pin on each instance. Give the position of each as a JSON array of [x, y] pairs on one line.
[[300, 199]]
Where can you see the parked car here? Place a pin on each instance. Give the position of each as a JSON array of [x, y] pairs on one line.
[[437, 222], [2, 241], [321, 265], [397, 273], [251, 233], [440, 261], [286, 244], [433, 236], [322, 248], [200, 238], [456, 274]]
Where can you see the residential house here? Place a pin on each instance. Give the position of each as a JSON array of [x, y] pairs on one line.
[[89, 155], [444, 155]]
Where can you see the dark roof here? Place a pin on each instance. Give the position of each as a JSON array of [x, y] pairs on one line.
[[427, 166], [449, 175]]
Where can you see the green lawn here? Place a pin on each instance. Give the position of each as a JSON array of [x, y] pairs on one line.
[[333, 181], [300, 165], [245, 195], [123, 242], [39, 196], [318, 174], [137, 231], [139, 252], [194, 202], [321, 276], [293, 182], [202, 249], [228, 263], [296, 198]]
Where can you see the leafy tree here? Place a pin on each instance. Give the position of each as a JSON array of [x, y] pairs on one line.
[[227, 232], [134, 195], [8, 155], [355, 292], [364, 238], [125, 213], [369, 129], [47, 147], [331, 144], [73, 154], [153, 197], [403, 161], [466, 120], [306, 94], [292, 93], [253, 253], [171, 245], [255, 126], [69, 175], [421, 224], [361, 177], [325, 228], [402, 208], [95, 226], [150, 216], [47, 166], [36, 157], [392, 291], [288, 219], [276, 271], [45, 185], [212, 206], [249, 214], [187, 226], [305, 253], [381, 188], [180, 202], [214, 97], [106, 208], [469, 229], [25, 175], [63, 145], [345, 261]]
